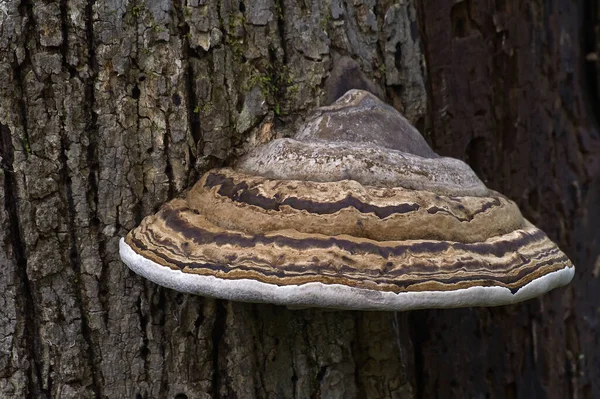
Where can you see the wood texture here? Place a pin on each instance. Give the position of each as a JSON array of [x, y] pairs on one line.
[[109, 109]]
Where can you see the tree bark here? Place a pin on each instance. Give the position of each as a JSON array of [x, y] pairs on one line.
[[110, 108]]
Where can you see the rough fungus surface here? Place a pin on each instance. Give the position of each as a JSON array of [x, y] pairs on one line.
[[378, 222]]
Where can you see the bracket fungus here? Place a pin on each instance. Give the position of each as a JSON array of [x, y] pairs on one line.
[[355, 212]]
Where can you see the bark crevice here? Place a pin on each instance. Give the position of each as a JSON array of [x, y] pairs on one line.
[[183, 30], [26, 299], [217, 337], [75, 261]]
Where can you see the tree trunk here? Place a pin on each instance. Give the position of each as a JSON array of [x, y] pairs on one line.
[[110, 108]]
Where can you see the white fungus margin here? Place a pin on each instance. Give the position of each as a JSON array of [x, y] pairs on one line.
[[336, 296]]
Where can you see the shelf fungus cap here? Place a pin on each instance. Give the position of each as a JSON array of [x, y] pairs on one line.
[[355, 212]]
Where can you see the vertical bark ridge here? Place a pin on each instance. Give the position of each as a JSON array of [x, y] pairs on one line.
[[25, 11], [190, 93], [280, 10], [93, 163], [137, 8], [419, 334], [217, 336], [26, 299], [163, 386], [26, 302], [144, 350], [84, 188], [75, 260], [431, 105], [167, 155], [158, 312], [226, 62]]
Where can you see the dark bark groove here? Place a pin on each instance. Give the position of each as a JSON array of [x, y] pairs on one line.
[[75, 261], [26, 301]]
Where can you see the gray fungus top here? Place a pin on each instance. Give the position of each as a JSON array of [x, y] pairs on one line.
[[363, 139]]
